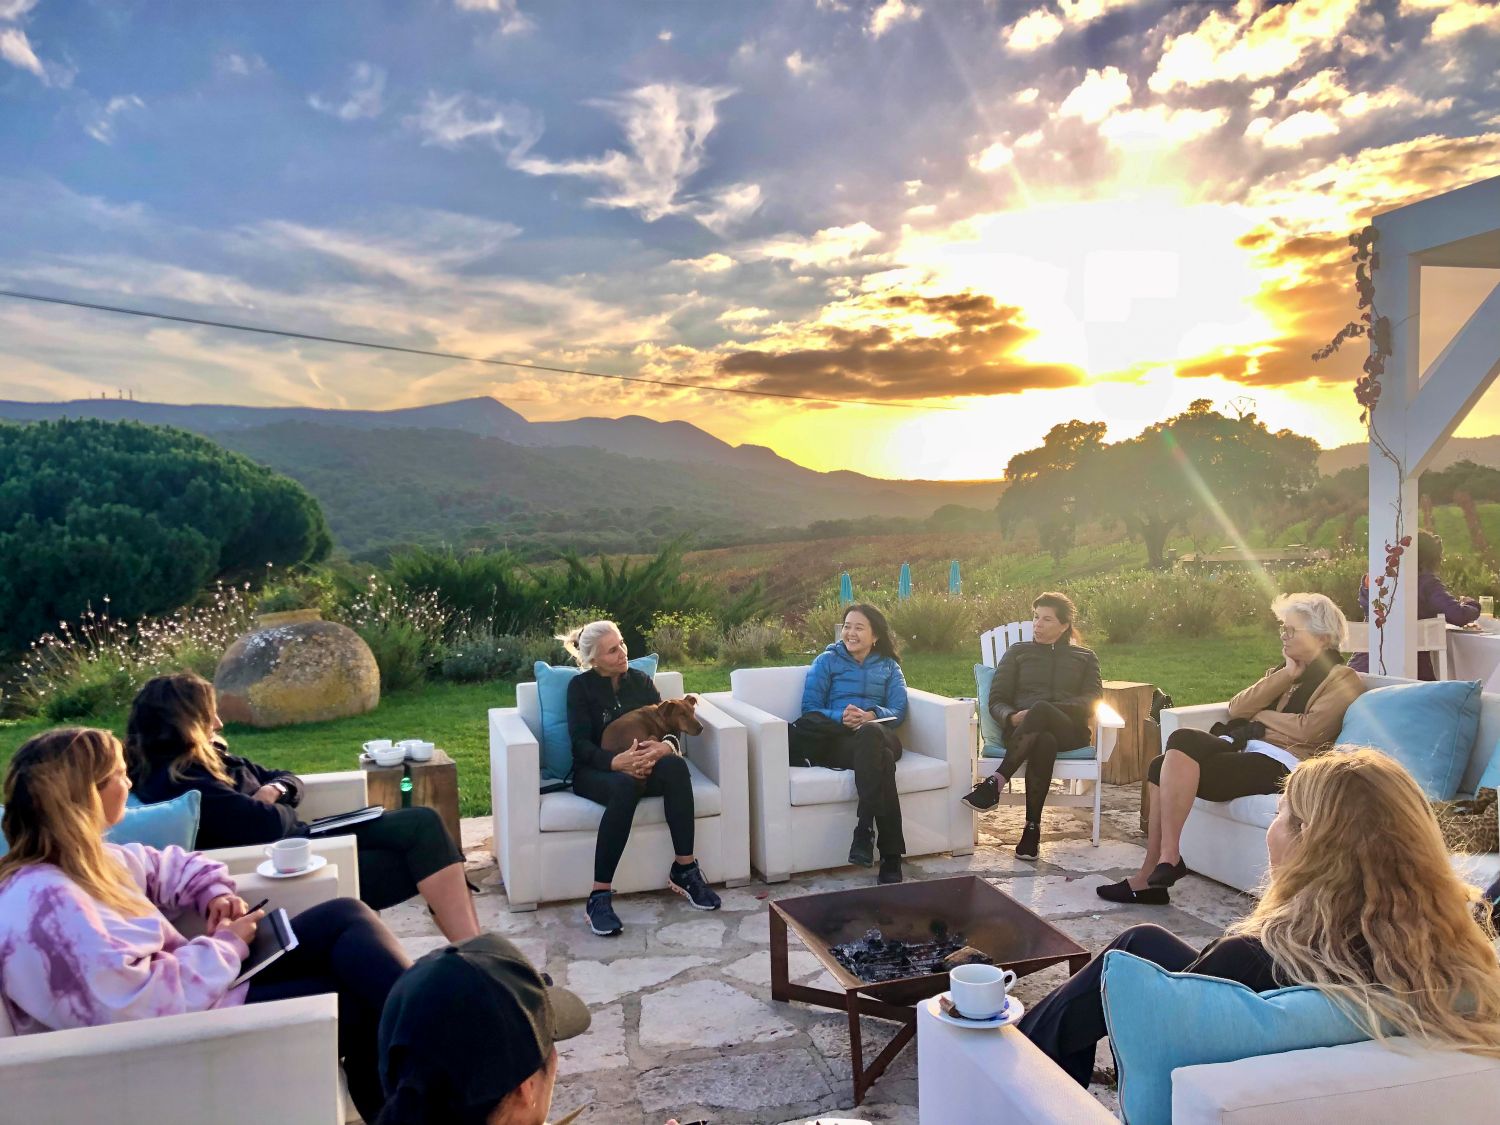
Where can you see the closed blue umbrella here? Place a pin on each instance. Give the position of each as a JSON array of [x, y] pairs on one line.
[[846, 589], [955, 584], [903, 588]]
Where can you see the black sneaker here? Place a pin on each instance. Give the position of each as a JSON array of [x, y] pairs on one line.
[[689, 883], [890, 869], [985, 795], [862, 847], [1030, 844], [600, 911]]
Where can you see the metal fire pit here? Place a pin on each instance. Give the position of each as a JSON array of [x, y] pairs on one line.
[[990, 920]]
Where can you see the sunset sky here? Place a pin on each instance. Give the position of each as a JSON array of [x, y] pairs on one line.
[[1026, 213]]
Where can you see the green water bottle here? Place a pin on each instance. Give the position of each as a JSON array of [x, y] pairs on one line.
[[406, 792]]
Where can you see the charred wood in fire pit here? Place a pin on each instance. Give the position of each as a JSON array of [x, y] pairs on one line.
[[876, 958]]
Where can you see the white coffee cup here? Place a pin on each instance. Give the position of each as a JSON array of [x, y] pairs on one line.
[[417, 750], [375, 745], [979, 991], [290, 856]]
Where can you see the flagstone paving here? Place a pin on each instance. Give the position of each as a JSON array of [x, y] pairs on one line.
[[683, 1023]]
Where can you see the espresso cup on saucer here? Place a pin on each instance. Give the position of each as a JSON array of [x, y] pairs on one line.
[[417, 750], [378, 745], [979, 992], [290, 856]]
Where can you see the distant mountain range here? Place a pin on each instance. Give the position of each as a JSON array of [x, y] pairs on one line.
[[476, 470], [1483, 450]]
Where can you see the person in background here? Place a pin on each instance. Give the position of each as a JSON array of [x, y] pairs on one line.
[[1361, 904], [606, 688], [1285, 717], [86, 930], [854, 697], [1043, 696], [173, 745], [1433, 600]]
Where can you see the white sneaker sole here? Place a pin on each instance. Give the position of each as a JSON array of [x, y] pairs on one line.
[[689, 898]]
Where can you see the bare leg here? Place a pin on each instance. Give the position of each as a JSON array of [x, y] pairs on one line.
[[447, 892], [1153, 841], [1179, 786], [684, 860]]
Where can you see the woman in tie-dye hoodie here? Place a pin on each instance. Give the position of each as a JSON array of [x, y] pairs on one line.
[[86, 936]]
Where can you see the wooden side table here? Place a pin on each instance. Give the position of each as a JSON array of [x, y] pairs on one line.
[[1151, 736], [1127, 764], [434, 785]]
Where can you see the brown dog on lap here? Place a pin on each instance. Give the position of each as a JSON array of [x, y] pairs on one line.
[[648, 724]]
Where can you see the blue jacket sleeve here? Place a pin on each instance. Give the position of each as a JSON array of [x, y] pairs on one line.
[[815, 690], [895, 703], [1456, 611]]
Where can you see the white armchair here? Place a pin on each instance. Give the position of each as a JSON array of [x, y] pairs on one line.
[[802, 817], [544, 843], [209, 1066]]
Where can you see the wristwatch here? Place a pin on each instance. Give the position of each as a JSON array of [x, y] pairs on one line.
[[285, 787]]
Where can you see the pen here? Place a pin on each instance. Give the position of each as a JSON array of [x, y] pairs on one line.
[[257, 906]]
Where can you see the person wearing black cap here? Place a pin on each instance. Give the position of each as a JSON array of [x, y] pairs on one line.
[[469, 1037]]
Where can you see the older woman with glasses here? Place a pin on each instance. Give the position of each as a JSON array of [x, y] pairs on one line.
[[1285, 717]]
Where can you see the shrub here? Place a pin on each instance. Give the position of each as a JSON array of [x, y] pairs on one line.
[[481, 656], [488, 586], [1467, 575], [1339, 578], [405, 631], [819, 627], [676, 636], [750, 643], [1001, 608], [1120, 609], [1186, 605], [928, 622]]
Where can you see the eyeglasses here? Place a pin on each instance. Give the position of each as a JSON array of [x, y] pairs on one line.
[[1288, 632]]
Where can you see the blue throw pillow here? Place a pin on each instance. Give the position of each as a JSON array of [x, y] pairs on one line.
[[552, 692], [1428, 727], [159, 825], [989, 730], [1159, 1021]]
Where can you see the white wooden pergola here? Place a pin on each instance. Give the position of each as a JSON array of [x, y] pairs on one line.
[[1418, 413]]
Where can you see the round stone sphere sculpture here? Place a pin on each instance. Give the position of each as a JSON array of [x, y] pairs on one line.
[[296, 668]]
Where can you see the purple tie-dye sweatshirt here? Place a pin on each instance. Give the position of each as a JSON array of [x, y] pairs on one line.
[[67, 960]]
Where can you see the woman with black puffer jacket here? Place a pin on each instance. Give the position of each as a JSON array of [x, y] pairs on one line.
[[1043, 696]]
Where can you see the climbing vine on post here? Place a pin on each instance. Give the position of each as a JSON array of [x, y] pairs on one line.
[[1377, 329]]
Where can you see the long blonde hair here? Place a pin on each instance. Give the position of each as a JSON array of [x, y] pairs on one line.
[[172, 719], [1367, 908], [54, 814]]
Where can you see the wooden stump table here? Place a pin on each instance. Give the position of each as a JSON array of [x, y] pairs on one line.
[[434, 785], [1127, 764]]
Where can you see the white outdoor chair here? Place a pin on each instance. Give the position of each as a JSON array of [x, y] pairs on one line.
[[803, 816], [1074, 767], [1432, 636], [544, 843]]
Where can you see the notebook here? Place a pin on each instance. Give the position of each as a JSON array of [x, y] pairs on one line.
[[326, 824], [273, 938]]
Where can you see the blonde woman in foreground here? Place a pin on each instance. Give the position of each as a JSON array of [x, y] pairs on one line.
[[1361, 903]]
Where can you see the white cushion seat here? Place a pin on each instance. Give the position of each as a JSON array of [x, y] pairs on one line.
[[1259, 809], [568, 812], [814, 785]]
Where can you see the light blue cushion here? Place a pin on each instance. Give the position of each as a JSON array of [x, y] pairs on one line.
[[1159, 1021], [1428, 727], [552, 691], [1082, 754], [158, 825], [989, 730]]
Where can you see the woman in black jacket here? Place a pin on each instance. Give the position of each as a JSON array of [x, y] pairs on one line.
[[605, 689], [1043, 696], [172, 745]]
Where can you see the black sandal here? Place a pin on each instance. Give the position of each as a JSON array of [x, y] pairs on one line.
[[1123, 892]]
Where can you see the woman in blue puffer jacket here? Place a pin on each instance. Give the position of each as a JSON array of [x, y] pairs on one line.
[[854, 698]]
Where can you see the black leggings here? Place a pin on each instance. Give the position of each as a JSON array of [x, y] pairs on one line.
[[399, 849], [619, 793], [1068, 1024], [871, 752], [1046, 731], [1224, 773], [342, 947]]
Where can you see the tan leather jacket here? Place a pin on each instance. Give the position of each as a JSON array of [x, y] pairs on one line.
[[1305, 734]]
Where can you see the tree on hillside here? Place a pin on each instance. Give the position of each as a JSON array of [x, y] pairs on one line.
[[144, 515], [1198, 466], [1043, 485]]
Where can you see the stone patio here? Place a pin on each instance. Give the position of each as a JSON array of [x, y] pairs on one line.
[[683, 1021]]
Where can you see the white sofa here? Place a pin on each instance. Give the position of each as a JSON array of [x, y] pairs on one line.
[[544, 843], [1226, 840], [967, 1077], [802, 817]]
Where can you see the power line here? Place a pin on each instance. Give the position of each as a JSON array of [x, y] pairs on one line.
[[376, 346]]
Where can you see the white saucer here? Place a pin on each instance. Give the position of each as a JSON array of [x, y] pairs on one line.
[[1014, 1009], [268, 869]]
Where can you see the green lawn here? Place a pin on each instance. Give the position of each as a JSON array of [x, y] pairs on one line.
[[1191, 670]]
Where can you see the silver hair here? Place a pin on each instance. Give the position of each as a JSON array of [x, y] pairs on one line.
[[1324, 619], [582, 643]]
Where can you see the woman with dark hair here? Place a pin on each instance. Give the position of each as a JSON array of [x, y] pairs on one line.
[[854, 696], [1043, 695], [172, 745], [1433, 600]]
